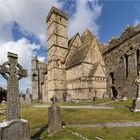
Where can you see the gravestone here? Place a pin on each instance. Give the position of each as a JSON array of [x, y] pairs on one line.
[[28, 98], [67, 97], [54, 120], [136, 102], [13, 128], [22, 102]]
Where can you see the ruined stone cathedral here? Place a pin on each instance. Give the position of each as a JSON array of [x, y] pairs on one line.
[[83, 67]]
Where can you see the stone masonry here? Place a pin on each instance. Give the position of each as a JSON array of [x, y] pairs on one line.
[[13, 128], [38, 72], [122, 57], [74, 65], [85, 68]]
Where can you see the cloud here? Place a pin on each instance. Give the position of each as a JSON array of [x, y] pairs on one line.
[[29, 14], [25, 51], [86, 15], [136, 21], [41, 58]]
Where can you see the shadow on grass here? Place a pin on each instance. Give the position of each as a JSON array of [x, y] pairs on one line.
[[37, 135]]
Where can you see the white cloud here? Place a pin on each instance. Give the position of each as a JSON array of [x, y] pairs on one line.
[[85, 17], [41, 58], [29, 14], [25, 50]]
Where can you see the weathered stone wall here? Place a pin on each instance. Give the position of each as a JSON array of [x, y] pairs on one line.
[[45, 89], [77, 69], [87, 88], [83, 87], [122, 63], [57, 42], [38, 70]]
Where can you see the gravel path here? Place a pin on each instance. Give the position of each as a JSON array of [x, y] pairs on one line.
[[124, 124], [83, 106]]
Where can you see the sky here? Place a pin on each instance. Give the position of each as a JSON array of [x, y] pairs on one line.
[[23, 27]]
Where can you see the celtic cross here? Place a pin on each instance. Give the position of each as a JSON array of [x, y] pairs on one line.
[[12, 72]]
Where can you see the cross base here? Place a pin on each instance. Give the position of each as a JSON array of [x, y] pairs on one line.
[[136, 105], [17, 129]]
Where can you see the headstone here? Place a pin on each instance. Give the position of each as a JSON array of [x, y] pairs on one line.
[[54, 121], [13, 128], [136, 102], [124, 98], [3, 102], [67, 97], [94, 95], [22, 102], [28, 98]]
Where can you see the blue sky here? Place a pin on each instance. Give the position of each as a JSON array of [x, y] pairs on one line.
[[23, 28], [115, 15]]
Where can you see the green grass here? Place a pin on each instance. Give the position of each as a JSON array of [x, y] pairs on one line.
[[112, 133], [2, 106], [106, 133], [123, 103], [91, 116], [38, 118], [65, 134]]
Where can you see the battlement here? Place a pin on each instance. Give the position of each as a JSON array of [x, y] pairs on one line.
[[58, 12]]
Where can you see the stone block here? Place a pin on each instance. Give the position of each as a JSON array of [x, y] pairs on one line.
[[17, 129], [67, 97]]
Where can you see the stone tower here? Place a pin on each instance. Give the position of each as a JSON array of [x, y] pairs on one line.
[[38, 71], [57, 39], [35, 79]]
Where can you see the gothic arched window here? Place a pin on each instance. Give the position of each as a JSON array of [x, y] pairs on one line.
[[126, 64]]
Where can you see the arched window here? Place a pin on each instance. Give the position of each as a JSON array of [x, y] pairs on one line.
[[112, 77], [126, 64], [137, 61]]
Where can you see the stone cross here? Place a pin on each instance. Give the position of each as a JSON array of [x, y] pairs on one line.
[[137, 81], [12, 72], [54, 99]]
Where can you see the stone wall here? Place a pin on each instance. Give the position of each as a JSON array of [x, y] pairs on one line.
[[87, 88], [83, 87], [122, 58]]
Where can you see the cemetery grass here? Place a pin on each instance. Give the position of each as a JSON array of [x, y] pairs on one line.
[[64, 134], [38, 117], [109, 133], [106, 133], [127, 103]]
